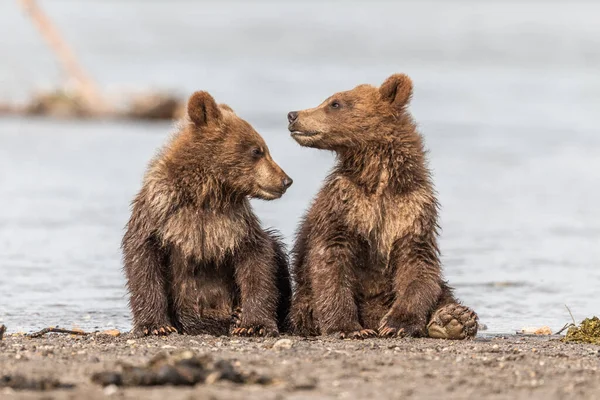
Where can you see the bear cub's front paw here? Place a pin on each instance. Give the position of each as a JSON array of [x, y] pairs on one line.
[[255, 330], [245, 327], [154, 329]]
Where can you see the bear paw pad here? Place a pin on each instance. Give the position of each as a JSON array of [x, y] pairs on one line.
[[453, 321]]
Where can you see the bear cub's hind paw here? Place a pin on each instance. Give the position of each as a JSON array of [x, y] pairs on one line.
[[453, 321]]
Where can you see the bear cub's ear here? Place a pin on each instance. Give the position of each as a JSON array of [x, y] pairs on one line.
[[203, 109], [397, 89]]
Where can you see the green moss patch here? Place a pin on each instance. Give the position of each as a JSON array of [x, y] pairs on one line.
[[587, 332]]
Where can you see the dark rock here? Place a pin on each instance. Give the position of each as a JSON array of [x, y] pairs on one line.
[[180, 369], [20, 382]]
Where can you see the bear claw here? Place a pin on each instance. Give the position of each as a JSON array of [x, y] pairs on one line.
[[388, 332], [260, 331], [391, 327], [360, 334], [236, 317], [158, 331]]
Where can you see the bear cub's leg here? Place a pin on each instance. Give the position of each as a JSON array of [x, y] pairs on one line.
[[262, 278], [284, 293], [417, 286], [147, 283], [334, 285], [302, 314]]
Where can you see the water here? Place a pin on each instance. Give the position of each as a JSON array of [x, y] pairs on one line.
[[507, 96]]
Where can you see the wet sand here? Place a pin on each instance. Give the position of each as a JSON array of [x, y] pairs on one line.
[[494, 367]]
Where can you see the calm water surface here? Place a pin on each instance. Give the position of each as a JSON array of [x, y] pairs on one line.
[[507, 96]]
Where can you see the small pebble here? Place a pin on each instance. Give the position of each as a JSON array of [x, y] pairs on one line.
[[544, 330], [110, 390], [304, 383], [111, 332], [283, 344]]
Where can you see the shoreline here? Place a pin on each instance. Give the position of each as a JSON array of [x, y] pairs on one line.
[[490, 366]]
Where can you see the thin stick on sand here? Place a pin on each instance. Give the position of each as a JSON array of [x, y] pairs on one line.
[[571, 314], [56, 330], [567, 325]]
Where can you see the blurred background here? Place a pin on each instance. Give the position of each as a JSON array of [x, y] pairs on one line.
[[507, 95]]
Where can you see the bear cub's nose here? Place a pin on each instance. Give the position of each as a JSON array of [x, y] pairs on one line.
[[287, 182], [292, 116]]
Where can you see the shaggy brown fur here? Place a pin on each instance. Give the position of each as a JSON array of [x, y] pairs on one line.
[[366, 259], [194, 252]]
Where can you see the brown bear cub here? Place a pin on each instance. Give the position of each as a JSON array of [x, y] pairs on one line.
[[366, 259], [195, 255]]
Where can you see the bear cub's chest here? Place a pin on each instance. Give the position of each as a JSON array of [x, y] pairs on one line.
[[206, 236], [380, 218]]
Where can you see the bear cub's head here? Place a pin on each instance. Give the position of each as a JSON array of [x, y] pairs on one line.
[[236, 155], [354, 117]]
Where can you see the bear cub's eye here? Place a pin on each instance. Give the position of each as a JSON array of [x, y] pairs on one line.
[[257, 152], [335, 104]]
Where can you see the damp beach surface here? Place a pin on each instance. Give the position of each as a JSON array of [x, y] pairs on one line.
[[491, 367]]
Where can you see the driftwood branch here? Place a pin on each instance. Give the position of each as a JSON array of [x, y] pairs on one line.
[[86, 101], [87, 87]]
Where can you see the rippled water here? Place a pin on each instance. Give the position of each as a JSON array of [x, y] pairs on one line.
[[507, 96]]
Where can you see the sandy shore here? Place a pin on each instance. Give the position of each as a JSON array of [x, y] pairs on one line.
[[325, 368]]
